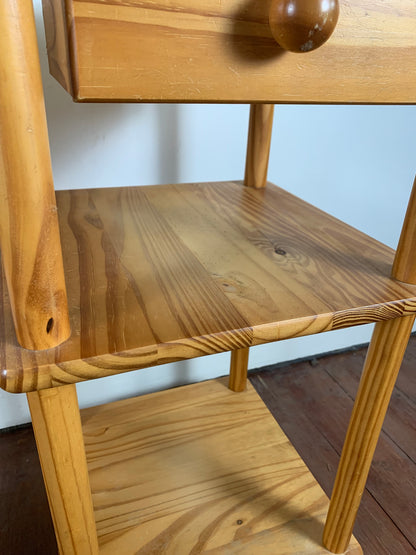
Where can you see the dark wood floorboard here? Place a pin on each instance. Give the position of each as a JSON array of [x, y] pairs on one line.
[[25, 522], [312, 401]]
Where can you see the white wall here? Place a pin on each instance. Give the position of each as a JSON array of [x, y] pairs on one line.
[[357, 163]]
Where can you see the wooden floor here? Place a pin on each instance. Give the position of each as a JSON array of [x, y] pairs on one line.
[[312, 401]]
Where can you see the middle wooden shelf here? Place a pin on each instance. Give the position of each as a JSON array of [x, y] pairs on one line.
[[163, 273]]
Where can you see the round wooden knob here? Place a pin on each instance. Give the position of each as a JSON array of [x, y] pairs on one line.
[[302, 25]]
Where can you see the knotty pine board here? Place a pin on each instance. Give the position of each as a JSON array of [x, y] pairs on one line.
[[164, 273], [199, 469]]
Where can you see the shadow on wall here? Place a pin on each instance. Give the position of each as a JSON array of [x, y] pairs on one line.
[[107, 145]]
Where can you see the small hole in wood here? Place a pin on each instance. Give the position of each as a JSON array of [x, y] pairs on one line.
[[49, 325]]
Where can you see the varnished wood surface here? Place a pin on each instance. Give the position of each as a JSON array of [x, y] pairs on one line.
[[312, 401], [57, 426], [199, 469], [381, 368], [391, 480], [188, 50], [29, 232], [57, 17], [258, 145], [238, 369], [303, 25], [404, 267], [163, 273]]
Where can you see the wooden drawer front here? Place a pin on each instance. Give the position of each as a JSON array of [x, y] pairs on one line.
[[223, 51]]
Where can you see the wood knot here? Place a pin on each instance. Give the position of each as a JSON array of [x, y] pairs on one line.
[[49, 325]]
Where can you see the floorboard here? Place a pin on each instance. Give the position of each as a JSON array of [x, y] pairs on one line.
[[312, 401]]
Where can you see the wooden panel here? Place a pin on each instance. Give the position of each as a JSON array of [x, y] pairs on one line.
[[203, 51], [173, 473], [164, 273]]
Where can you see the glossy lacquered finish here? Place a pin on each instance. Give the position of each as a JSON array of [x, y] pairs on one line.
[[303, 25], [28, 215], [158, 274], [146, 287], [258, 145]]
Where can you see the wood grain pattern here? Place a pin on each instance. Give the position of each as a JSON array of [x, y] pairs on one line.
[[391, 480], [238, 370], [382, 365], [170, 473], [404, 267], [313, 406], [210, 51], [381, 368], [57, 17], [145, 286], [257, 161], [29, 233], [258, 145], [57, 426]]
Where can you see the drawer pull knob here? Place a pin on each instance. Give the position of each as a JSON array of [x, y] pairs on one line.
[[302, 25]]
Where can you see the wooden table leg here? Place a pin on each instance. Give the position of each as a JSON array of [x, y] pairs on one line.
[[238, 369], [58, 432], [257, 161], [258, 145], [29, 231], [382, 365]]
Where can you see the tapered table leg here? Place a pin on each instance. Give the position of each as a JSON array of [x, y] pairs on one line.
[[381, 367], [257, 161], [238, 369], [57, 426], [258, 145]]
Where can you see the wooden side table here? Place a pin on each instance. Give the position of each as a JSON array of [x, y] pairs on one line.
[[102, 281]]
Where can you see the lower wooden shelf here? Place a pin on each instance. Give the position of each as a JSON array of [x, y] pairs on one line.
[[200, 469]]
